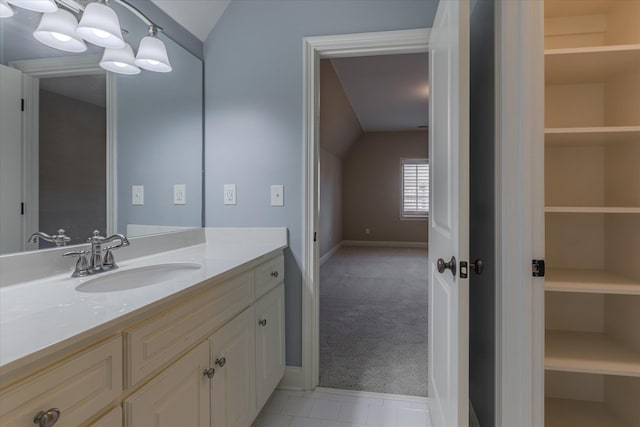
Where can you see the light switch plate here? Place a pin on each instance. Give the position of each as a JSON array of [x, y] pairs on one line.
[[179, 194], [229, 194], [277, 195], [137, 194]]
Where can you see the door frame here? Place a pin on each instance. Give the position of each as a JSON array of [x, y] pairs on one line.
[[33, 70], [315, 49]]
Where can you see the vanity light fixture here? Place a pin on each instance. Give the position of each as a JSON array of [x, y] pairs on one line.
[[58, 30], [119, 61], [99, 25], [44, 6], [152, 53], [6, 11]]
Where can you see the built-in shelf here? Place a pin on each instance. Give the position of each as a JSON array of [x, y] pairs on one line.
[[567, 412], [592, 209], [591, 135], [589, 281], [589, 352], [589, 64]]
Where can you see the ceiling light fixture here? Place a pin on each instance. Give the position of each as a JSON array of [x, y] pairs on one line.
[[44, 6], [152, 53], [58, 30], [119, 61], [99, 25], [6, 11]]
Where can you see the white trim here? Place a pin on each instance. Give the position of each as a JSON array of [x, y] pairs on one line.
[[292, 379], [382, 244], [331, 252], [33, 70], [520, 214], [314, 48]]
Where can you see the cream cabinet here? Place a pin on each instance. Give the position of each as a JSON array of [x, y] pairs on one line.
[[270, 349], [179, 396], [209, 358], [592, 220], [233, 386]]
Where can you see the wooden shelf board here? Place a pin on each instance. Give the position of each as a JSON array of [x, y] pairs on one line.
[[589, 352], [589, 281], [589, 65], [592, 209], [591, 135], [568, 412]]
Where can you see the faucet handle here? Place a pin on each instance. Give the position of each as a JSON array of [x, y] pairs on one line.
[[82, 264]]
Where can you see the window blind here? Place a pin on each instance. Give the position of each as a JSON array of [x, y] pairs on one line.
[[415, 188]]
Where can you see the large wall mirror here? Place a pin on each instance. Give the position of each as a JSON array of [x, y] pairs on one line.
[[94, 149]]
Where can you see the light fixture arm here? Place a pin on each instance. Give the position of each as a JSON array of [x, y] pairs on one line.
[[140, 15]]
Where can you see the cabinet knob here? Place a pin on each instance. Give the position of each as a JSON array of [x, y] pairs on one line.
[[48, 418], [262, 322], [274, 274], [209, 373], [221, 362]]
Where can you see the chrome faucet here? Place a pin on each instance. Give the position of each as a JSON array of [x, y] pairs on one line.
[[97, 263], [59, 239]]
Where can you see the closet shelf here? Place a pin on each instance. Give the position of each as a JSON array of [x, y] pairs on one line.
[[589, 64], [589, 352], [589, 281], [568, 412], [591, 135], [592, 209]]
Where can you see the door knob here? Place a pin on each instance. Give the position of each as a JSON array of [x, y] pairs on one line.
[[451, 265], [48, 418], [209, 373], [477, 266], [221, 362], [262, 322]]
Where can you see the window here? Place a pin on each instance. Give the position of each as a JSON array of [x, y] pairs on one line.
[[415, 188]]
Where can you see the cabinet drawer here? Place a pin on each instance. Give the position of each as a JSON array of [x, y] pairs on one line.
[[268, 275], [156, 342], [80, 387]]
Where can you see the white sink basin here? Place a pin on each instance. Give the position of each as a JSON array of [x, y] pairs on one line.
[[137, 277]]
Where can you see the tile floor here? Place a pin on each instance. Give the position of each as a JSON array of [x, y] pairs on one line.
[[342, 408]]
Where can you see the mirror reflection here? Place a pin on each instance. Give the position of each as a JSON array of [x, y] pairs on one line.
[[94, 149]]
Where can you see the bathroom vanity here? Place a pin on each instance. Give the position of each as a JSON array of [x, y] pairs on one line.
[[200, 345]]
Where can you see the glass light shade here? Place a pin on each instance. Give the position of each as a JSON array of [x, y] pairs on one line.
[[5, 10], [44, 6], [119, 61], [58, 30], [100, 25], [152, 55]]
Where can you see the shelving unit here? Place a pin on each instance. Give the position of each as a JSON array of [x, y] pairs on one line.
[[592, 206]]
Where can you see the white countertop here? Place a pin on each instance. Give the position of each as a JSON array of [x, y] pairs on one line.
[[39, 314]]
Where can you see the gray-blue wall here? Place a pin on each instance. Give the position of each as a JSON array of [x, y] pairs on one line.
[[253, 111]]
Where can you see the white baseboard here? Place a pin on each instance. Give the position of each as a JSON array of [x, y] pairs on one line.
[[324, 258], [292, 379], [385, 244]]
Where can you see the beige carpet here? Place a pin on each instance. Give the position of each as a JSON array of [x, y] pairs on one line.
[[373, 320]]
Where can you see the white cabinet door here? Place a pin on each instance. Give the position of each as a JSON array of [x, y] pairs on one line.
[[233, 388], [449, 216], [270, 351], [179, 396]]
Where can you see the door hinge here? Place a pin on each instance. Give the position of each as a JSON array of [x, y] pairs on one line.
[[314, 236], [22, 104], [538, 267], [22, 208]]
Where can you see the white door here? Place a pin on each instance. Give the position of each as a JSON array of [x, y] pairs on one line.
[[449, 216], [10, 160]]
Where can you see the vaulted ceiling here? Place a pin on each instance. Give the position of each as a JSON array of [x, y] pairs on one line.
[[197, 16]]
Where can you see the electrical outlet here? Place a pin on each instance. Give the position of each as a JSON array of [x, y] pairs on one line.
[[229, 194], [277, 195], [137, 194], [179, 194]]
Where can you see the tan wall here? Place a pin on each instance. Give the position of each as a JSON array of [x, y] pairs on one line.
[[339, 129], [371, 190]]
